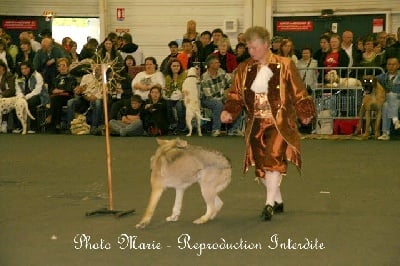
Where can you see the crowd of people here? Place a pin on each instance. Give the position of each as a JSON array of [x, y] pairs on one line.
[[145, 98]]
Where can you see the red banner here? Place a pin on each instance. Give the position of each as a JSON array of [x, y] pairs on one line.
[[294, 26], [19, 24]]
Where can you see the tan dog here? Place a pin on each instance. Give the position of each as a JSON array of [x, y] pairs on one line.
[[334, 81], [21, 108], [178, 165], [192, 100], [373, 100]]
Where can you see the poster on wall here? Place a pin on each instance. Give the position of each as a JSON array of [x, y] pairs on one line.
[[284, 26], [377, 25], [19, 24]]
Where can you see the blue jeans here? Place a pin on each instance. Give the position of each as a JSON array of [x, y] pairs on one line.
[[179, 108], [122, 129], [97, 113], [238, 123], [390, 109], [216, 107], [71, 111], [80, 105]]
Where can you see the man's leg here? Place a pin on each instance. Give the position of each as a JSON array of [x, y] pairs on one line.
[[216, 107]]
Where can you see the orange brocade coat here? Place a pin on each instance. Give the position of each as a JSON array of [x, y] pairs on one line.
[[287, 97]]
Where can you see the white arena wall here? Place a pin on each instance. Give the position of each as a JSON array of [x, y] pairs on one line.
[[154, 23]]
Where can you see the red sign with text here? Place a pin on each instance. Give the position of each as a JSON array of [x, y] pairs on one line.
[[294, 26], [120, 14], [19, 24]]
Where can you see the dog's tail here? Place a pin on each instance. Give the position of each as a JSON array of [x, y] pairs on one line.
[[27, 111], [29, 114]]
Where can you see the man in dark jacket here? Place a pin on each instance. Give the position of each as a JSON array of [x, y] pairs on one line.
[[128, 47], [45, 60], [394, 50], [173, 47]]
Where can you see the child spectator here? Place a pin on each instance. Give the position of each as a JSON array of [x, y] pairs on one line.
[[130, 123]]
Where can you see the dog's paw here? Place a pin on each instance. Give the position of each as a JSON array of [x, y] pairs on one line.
[[172, 218], [203, 219], [188, 135], [142, 224]]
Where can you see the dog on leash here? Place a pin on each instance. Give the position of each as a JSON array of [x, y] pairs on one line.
[[21, 108], [334, 81], [192, 100], [178, 165], [373, 100]]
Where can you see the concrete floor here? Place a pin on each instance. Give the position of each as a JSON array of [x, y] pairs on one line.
[[345, 205]]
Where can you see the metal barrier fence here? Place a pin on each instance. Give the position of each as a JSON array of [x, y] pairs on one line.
[[337, 92]]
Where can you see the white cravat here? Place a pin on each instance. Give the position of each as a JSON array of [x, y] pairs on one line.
[[260, 83]]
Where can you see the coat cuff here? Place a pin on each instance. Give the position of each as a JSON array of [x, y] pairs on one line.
[[234, 107], [305, 108]]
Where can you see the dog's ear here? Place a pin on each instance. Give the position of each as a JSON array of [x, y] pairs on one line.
[[181, 143], [161, 141], [192, 71]]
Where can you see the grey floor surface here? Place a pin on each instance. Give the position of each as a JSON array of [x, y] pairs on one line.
[[343, 209]]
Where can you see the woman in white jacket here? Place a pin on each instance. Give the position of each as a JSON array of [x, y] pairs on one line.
[[145, 80], [307, 67]]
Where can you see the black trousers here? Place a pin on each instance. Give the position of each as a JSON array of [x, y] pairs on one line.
[[56, 104]]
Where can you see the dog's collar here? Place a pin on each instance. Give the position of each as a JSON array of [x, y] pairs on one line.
[[192, 76]]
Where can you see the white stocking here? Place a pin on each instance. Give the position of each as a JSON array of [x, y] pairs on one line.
[[272, 182]]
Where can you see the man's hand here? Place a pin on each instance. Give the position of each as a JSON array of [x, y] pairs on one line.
[[92, 98], [57, 91], [50, 62], [78, 90], [226, 117], [306, 121]]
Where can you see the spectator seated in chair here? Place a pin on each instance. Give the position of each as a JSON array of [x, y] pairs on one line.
[[390, 110], [29, 84], [214, 82], [155, 119], [88, 95], [60, 92]]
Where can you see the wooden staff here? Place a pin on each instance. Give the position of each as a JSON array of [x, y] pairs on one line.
[[111, 210], [104, 68]]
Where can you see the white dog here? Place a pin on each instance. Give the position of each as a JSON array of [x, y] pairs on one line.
[[192, 100], [21, 107], [336, 82], [178, 165]]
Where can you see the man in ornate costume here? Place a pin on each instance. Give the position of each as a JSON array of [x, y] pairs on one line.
[[271, 91]]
